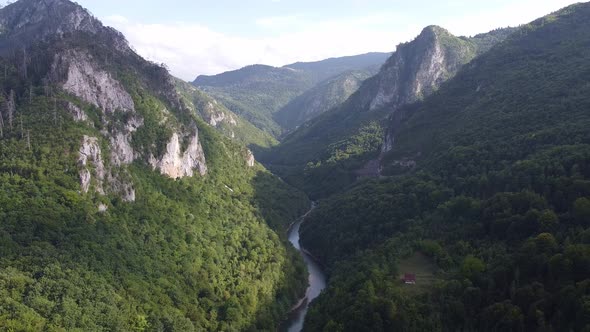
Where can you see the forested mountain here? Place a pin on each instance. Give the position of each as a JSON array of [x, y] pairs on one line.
[[487, 200], [257, 92], [221, 118], [120, 208], [453, 183], [322, 97], [325, 69], [325, 154]]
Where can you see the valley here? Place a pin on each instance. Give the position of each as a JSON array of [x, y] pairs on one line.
[[316, 278], [444, 186]]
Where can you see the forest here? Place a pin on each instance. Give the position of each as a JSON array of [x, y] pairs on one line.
[[192, 254], [497, 199]]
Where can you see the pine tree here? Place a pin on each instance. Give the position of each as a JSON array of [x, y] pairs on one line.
[[10, 108]]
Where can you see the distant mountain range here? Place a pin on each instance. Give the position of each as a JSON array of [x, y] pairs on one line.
[[259, 92]]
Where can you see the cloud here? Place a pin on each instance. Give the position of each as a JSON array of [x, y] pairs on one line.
[[190, 49]]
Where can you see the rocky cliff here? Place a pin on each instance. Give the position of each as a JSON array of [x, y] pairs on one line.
[[42, 20], [418, 68], [72, 52]]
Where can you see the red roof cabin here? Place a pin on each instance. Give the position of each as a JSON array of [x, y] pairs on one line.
[[409, 279]]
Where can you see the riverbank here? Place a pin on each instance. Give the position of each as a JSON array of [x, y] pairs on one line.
[[316, 277]]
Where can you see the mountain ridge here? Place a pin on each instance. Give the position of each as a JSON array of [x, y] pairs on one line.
[[257, 92]]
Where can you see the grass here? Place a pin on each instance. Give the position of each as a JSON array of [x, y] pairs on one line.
[[424, 269]]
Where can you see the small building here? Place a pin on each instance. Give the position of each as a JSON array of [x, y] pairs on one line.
[[409, 279]]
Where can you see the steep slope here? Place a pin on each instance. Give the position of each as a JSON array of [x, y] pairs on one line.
[[325, 154], [322, 97], [490, 207], [257, 92], [120, 209], [219, 117]]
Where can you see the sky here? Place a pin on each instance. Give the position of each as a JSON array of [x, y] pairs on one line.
[[194, 37]]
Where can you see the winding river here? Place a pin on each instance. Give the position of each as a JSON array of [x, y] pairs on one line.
[[317, 280]]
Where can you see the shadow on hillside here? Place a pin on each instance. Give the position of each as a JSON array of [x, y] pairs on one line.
[[280, 205]]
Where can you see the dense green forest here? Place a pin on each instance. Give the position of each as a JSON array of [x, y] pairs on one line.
[[487, 200], [207, 252], [189, 254]]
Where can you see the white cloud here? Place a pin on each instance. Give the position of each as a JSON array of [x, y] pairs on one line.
[[191, 49]]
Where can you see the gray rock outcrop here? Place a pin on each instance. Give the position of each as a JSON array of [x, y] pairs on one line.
[[177, 163], [91, 165]]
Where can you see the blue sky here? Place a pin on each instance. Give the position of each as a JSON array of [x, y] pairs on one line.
[[208, 37]]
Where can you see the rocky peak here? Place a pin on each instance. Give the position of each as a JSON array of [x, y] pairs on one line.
[[418, 68], [26, 22]]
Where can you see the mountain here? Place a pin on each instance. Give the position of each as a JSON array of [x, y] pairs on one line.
[[485, 201], [257, 92], [325, 69], [325, 154], [322, 97], [219, 117], [120, 208]]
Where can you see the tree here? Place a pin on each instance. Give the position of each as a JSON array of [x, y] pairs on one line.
[[10, 108], [546, 243], [472, 266], [582, 210], [549, 221]]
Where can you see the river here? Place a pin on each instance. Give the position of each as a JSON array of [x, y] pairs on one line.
[[317, 280]]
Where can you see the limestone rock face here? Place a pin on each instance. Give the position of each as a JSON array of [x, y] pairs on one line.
[[77, 113], [216, 117], [90, 157], [418, 68], [250, 160], [48, 17], [28, 21], [122, 185], [84, 60], [87, 81], [177, 163], [388, 143], [92, 167]]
